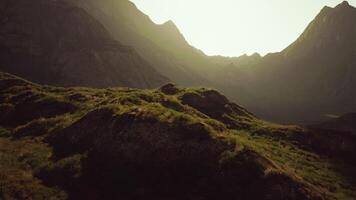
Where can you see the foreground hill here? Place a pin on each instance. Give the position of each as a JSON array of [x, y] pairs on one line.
[[55, 42], [168, 143]]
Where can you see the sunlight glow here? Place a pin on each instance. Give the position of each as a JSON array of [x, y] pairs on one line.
[[235, 27]]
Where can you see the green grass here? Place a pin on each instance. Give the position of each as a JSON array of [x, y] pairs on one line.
[[18, 160], [310, 167], [24, 154]]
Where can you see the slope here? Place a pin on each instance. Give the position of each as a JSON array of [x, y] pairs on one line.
[[345, 123], [171, 143], [54, 42], [312, 78], [162, 45]]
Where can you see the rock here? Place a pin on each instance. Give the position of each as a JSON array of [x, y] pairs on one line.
[[217, 106], [169, 89]]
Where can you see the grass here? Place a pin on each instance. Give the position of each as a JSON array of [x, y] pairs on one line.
[[18, 160], [320, 172], [25, 157]]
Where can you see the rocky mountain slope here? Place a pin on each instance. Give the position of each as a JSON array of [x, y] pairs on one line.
[[310, 79], [55, 42], [170, 143], [162, 45], [313, 77]]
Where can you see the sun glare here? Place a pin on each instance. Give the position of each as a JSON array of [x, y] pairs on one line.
[[235, 27]]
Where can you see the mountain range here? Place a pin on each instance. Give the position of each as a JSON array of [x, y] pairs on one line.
[[312, 78], [345, 123], [161, 45], [112, 43], [88, 110]]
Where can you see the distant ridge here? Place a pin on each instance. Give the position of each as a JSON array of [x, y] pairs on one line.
[[313, 77], [345, 123]]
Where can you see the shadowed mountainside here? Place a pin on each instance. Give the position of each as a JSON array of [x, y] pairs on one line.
[[170, 143], [162, 45], [346, 123], [312, 78], [54, 42]]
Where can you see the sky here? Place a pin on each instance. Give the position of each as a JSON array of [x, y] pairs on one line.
[[236, 27]]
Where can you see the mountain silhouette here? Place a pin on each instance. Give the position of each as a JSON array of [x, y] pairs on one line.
[[116, 139], [345, 123], [162, 45], [313, 77]]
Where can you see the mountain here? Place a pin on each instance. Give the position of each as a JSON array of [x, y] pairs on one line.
[[235, 61], [345, 123], [312, 78], [301, 84], [172, 142], [167, 143], [55, 42], [163, 46]]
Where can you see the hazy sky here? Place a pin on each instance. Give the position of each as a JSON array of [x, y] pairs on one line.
[[235, 27]]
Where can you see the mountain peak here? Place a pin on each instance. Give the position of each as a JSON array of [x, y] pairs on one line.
[[344, 4], [170, 23], [171, 26], [256, 55]]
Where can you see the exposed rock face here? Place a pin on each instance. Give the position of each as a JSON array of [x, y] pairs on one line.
[[169, 89], [54, 42]]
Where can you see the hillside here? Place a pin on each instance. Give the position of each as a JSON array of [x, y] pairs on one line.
[[345, 123], [169, 143], [163, 46], [312, 78], [55, 42]]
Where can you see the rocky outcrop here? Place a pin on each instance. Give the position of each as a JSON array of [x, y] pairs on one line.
[[217, 106], [169, 89]]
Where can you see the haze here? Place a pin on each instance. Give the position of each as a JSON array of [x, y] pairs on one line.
[[236, 27]]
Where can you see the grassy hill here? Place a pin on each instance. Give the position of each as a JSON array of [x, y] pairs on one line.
[[167, 143]]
